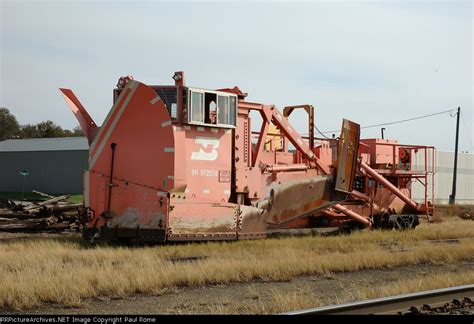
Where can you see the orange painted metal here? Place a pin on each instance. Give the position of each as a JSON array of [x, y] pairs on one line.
[[143, 163], [384, 180], [389, 185], [310, 111], [161, 168], [352, 214], [87, 124], [348, 147]]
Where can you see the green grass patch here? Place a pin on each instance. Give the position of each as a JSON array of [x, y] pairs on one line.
[[75, 198]]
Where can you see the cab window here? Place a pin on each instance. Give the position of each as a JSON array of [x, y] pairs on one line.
[[212, 108], [197, 107]]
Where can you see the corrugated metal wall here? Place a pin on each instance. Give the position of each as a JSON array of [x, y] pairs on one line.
[[50, 171], [444, 179]]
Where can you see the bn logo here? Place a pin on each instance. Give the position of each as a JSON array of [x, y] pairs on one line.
[[208, 149]]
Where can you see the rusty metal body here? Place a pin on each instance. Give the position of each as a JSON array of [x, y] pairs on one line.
[[383, 185], [177, 163], [387, 171]]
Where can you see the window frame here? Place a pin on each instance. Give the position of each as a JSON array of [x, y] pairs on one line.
[[236, 109], [217, 93], [227, 107], [190, 100]]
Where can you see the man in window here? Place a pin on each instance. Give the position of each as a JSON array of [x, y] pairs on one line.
[[213, 112]]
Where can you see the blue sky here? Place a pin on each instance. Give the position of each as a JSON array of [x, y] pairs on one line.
[[371, 61]]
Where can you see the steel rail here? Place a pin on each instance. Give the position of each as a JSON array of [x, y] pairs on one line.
[[393, 304]]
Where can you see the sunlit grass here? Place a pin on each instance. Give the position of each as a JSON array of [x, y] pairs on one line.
[[67, 271]]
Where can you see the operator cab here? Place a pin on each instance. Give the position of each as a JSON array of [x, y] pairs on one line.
[[194, 106]]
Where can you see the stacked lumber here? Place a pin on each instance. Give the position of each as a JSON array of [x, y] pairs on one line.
[[56, 214]]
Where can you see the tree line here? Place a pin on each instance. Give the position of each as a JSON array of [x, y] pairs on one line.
[[10, 128]]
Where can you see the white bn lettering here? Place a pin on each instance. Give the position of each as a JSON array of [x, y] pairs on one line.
[[205, 142]]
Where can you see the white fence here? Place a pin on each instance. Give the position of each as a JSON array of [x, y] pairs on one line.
[[444, 179]]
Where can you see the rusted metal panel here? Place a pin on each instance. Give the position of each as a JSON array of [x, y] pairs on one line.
[[251, 222], [138, 207], [202, 219], [387, 202], [347, 156], [296, 198], [214, 221]]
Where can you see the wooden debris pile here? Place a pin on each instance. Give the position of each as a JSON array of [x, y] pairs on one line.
[[56, 214], [465, 212], [467, 215]]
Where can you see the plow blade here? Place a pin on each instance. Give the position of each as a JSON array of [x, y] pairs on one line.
[[202, 221], [347, 156], [131, 166]]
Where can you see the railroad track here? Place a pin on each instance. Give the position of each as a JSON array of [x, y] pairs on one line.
[[455, 300]]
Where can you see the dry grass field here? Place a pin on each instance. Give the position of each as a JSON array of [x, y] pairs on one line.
[[281, 301], [35, 272]]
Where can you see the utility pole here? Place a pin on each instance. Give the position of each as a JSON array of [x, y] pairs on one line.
[[452, 197]]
